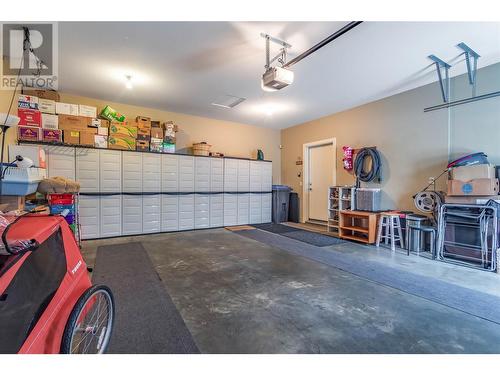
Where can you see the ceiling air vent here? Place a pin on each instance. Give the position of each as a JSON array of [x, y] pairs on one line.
[[227, 101]]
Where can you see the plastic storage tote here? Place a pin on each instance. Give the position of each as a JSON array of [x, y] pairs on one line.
[[21, 181]]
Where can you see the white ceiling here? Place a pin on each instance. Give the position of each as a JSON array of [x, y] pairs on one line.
[[184, 66]]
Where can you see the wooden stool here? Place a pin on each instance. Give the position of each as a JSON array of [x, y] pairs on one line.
[[390, 222]]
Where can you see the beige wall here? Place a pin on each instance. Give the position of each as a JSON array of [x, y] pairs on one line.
[[414, 145], [5, 97], [230, 138]]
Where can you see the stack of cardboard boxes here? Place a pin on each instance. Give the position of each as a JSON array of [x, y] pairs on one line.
[[156, 142], [472, 184], [169, 138], [143, 133]]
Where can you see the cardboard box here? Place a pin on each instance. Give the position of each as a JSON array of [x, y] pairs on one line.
[[110, 114], [122, 131], [156, 132], [142, 121], [156, 144], [100, 141], [471, 172], [469, 200], [42, 94], [27, 105], [142, 145], [33, 152], [103, 131], [47, 106], [68, 122], [29, 117], [28, 99], [67, 109], [155, 124], [50, 121], [29, 133], [143, 134], [87, 111], [52, 135], [87, 137], [104, 123], [476, 187], [96, 123], [168, 148], [71, 137], [121, 143]]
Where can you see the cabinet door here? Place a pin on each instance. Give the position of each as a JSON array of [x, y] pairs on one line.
[[230, 209], [151, 213], [255, 175], [201, 211], [243, 175], [61, 161], [266, 207], [87, 170], [202, 174], [169, 173], [151, 173], [216, 210], [216, 175], [186, 212], [111, 216], [131, 214], [89, 216], [230, 175], [267, 176], [243, 208], [110, 171], [169, 213], [186, 173], [131, 172], [255, 209]]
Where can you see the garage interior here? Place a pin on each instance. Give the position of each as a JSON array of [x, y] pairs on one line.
[[271, 187]]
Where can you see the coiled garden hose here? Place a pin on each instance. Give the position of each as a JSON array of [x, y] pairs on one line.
[[376, 163]]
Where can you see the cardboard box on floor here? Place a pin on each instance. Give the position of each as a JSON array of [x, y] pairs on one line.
[[476, 187]]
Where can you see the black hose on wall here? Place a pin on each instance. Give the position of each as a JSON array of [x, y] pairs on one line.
[[374, 172]]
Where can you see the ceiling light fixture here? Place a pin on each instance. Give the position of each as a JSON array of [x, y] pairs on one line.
[[128, 82]]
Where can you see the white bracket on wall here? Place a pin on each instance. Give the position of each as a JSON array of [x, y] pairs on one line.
[[470, 54], [444, 82]]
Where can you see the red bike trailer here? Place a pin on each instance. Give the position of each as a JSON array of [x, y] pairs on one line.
[[47, 301]]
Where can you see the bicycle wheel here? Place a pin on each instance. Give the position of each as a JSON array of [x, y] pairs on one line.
[[90, 323]]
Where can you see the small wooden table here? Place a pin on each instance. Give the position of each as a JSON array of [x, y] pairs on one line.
[[358, 226]]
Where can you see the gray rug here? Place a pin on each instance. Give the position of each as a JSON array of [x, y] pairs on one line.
[[470, 301], [147, 320], [275, 228], [312, 238]]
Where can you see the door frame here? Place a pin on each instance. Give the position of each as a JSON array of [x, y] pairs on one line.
[[306, 173]]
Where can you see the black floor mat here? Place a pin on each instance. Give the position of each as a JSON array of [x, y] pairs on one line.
[[147, 320], [275, 228], [312, 238]]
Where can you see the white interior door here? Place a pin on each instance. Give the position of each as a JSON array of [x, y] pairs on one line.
[[321, 166]]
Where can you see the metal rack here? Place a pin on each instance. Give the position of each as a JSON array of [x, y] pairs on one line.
[[468, 235]]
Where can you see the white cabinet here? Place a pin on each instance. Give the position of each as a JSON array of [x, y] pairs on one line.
[[216, 175], [89, 216], [186, 212], [151, 213], [201, 211], [202, 174], [255, 176], [110, 216], [61, 161], [243, 175], [110, 170], [243, 208], [151, 173], [230, 175], [216, 210], [87, 170], [266, 207], [131, 172], [169, 173], [267, 176], [186, 173], [255, 209], [131, 214], [169, 213], [230, 209]]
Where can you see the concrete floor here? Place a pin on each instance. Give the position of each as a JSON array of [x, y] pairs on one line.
[[238, 295]]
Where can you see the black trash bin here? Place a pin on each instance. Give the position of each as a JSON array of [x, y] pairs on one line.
[[293, 209], [281, 199]]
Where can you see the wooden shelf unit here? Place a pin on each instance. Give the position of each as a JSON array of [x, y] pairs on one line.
[[358, 226]]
